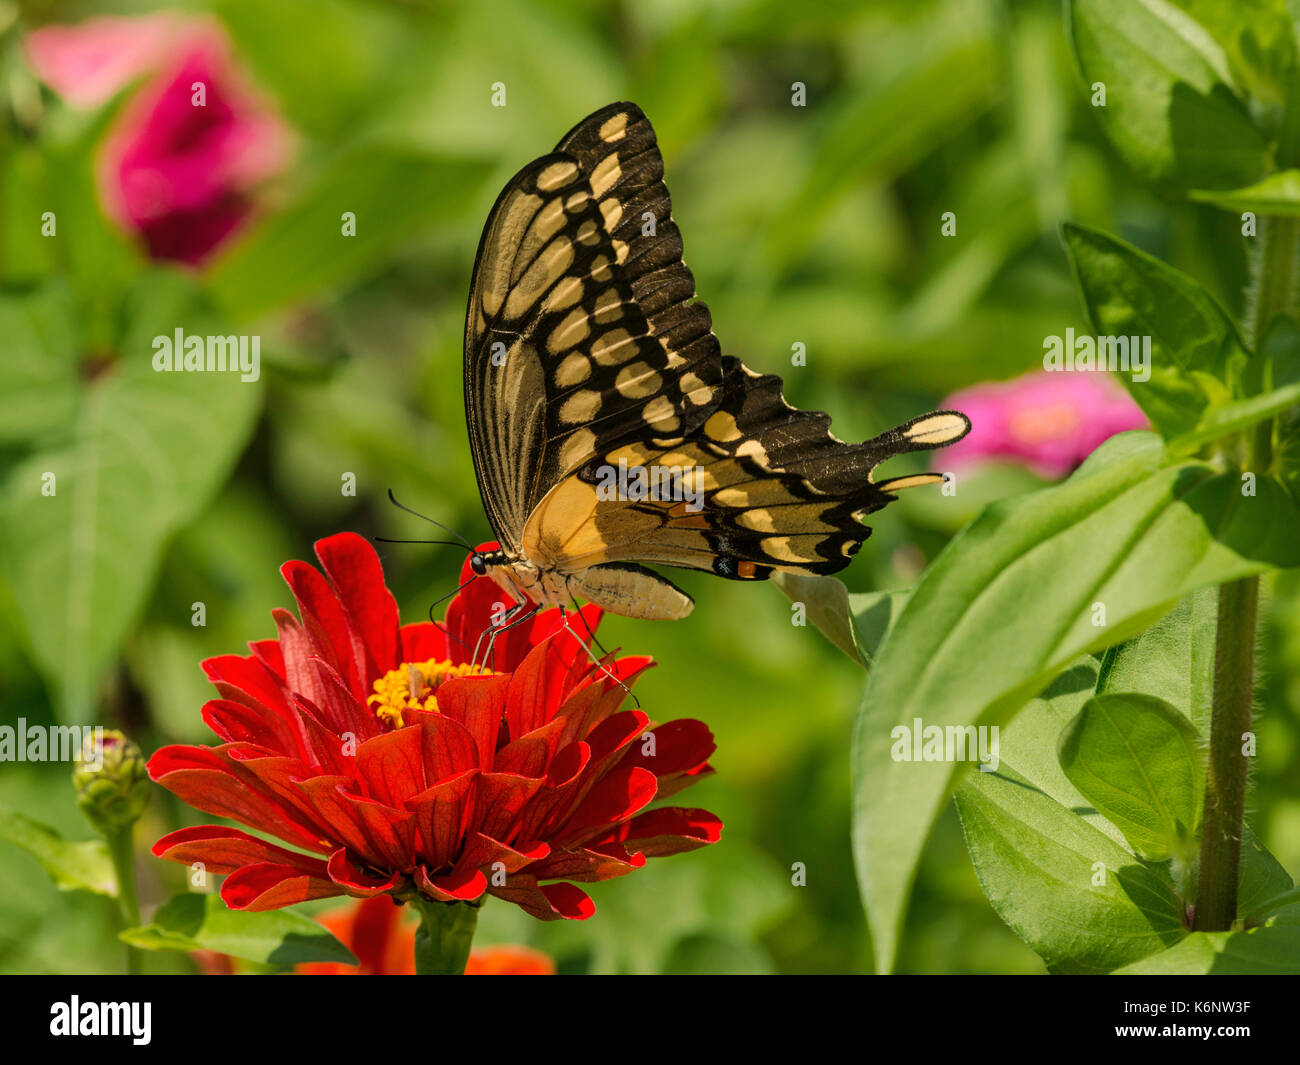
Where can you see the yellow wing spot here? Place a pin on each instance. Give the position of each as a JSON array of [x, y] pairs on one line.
[[614, 129], [577, 448], [701, 396], [572, 329], [916, 480], [609, 306], [606, 175], [746, 570], [765, 493], [556, 176], [938, 429], [659, 414], [572, 371], [613, 348], [588, 234], [633, 454], [636, 381], [580, 407], [752, 449], [791, 548], [611, 210], [620, 251], [576, 201], [564, 294], [547, 268], [674, 360], [722, 426], [600, 270], [758, 520]]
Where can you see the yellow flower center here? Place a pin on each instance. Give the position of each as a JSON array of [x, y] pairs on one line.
[[411, 686]]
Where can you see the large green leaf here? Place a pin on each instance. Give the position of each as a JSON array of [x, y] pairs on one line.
[[1170, 110], [1014, 599], [1081, 900], [1195, 348], [1137, 760], [203, 922], [1274, 949], [145, 453], [80, 866]]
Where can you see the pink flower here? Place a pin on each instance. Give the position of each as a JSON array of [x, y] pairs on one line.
[[1048, 421], [181, 162]]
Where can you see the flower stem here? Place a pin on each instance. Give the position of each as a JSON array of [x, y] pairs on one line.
[[122, 852], [1225, 788], [444, 937]]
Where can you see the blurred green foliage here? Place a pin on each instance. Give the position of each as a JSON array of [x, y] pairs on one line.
[[816, 224]]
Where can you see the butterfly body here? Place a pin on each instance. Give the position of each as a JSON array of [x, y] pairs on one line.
[[590, 363]]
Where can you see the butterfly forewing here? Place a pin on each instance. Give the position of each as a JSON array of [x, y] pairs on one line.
[[581, 333]]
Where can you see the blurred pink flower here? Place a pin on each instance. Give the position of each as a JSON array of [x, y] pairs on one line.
[[179, 165], [1047, 421]]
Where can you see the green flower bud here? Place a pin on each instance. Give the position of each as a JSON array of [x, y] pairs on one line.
[[111, 781]]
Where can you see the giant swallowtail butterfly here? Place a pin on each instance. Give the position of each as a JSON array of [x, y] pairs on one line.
[[592, 374]]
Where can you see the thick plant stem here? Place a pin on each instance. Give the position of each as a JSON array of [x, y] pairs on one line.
[[1225, 788], [122, 853], [445, 935]]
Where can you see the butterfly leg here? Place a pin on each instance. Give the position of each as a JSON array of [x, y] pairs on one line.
[[564, 620], [508, 621]]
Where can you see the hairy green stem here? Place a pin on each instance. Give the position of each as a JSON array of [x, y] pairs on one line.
[[443, 940], [122, 852], [1225, 786]]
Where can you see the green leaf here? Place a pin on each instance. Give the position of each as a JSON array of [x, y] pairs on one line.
[[1137, 760], [1277, 194], [1013, 600], [394, 193], [81, 866], [1274, 949], [856, 624], [1169, 111], [203, 922], [1195, 348], [144, 455], [1173, 659], [1082, 901]]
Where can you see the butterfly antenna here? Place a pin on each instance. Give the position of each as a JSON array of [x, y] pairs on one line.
[[402, 506]]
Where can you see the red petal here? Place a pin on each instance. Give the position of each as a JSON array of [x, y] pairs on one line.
[[325, 623], [223, 850], [501, 796], [477, 703], [460, 885], [588, 864], [615, 798], [268, 887], [357, 881], [354, 569], [668, 830], [681, 746], [550, 903], [442, 814], [423, 640]]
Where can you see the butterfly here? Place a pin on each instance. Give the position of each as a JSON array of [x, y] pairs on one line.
[[607, 428]]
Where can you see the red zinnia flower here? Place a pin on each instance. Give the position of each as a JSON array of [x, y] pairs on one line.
[[377, 747]]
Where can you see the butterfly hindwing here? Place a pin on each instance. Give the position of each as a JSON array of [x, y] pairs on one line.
[[763, 486], [582, 331]]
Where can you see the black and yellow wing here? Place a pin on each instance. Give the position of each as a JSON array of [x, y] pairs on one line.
[[585, 347], [582, 331]]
